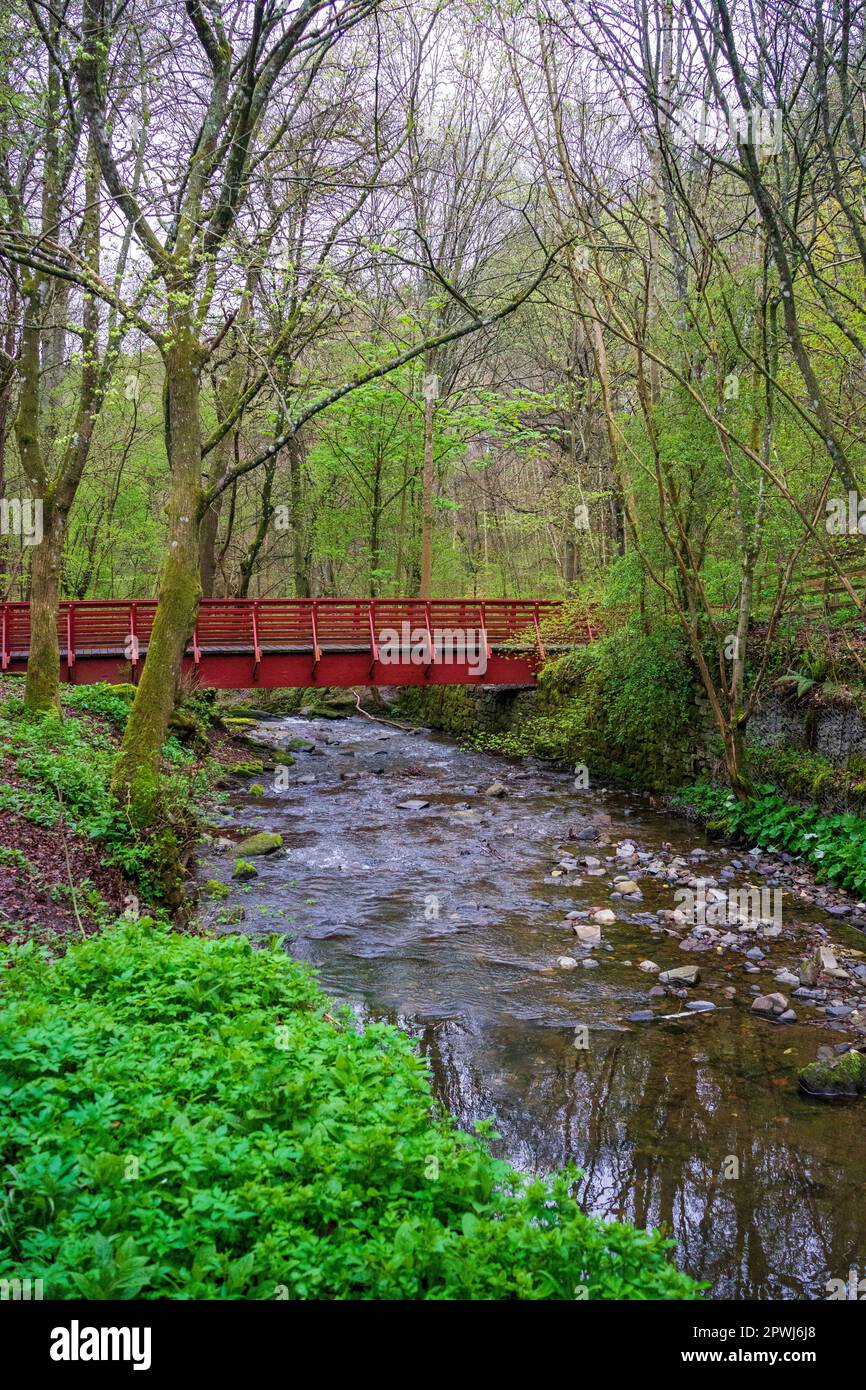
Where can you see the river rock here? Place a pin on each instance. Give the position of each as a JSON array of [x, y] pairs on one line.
[[700, 1006], [649, 967], [826, 960], [567, 963], [603, 915], [785, 977], [770, 1005], [836, 1077], [243, 870], [627, 887], [587, 933], [681, 975], [414, 804], [496, 789], [264, 842]]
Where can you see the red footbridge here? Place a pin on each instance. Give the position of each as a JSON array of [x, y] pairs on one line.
[[238, 644]]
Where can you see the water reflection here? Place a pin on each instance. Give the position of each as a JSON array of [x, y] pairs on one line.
[[694, 1125]]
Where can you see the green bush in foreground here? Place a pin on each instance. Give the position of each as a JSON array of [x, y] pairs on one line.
[[181, 1117], [834, 845]]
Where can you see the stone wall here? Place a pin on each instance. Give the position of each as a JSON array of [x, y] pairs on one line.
[[835, 732], [541, 723]]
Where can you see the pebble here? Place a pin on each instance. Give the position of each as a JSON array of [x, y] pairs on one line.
[[587, 933], [839, 1010], [770, 1005], [681, 975]]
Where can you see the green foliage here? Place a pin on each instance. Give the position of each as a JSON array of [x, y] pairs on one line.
[[625, 702], [180, 1118], [215, 888], [106, 700], [804, 775], [12, 858], [61, 770], [835, 846]]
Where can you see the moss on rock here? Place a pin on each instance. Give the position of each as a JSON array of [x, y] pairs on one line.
[[264, 842], [835, 1077]]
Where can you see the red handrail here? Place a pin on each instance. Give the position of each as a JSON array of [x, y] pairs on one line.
[[122, 627]]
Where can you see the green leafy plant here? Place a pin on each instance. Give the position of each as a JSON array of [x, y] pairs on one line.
[[834, 845], [191, 1118]]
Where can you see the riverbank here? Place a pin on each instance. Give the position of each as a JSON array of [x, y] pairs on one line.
[[629, 711], [344, 1181], [70, 859], [480, 903]]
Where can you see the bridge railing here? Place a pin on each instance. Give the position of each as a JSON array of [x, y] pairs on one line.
[[123, 627]]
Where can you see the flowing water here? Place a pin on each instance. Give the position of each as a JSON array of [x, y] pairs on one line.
[[445, 918]]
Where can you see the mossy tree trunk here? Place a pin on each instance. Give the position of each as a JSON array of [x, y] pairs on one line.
[[42, 686], [38, 422], [136, 770]]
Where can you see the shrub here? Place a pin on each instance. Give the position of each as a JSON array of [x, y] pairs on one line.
[[834, 845], [184, 1117], [625, 702]]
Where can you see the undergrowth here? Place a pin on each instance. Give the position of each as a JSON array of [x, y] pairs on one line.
[[184, 1117]]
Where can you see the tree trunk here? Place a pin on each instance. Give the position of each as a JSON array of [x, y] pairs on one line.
[[136, 770], [207, 559], [41, 690], [426, 578], [295, 450], [375, 525]]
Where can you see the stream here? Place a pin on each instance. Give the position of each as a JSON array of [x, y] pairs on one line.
[[424, 900]]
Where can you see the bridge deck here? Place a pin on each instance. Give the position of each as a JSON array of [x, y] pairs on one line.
[[242, 643]]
